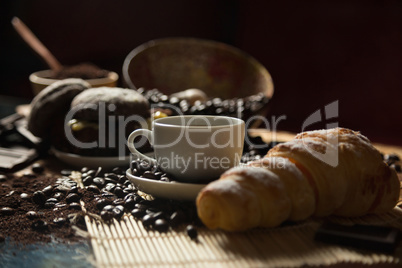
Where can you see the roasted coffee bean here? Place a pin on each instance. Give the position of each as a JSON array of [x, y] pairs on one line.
[[39, 198], [2, 238], [130, 195], [58, 195], [108, 207], [25, 196], [3, 178], [93, 188], [122, 179], [112, 176], [153, 209], [147, 221], [37, 168], [392, 158], [87, 180], [60, 205], [49, 204], [7, 211], [66, 172], [106, 215], [159, 174], [117, 213], [48, 190], [52, 200], [177, 218], [107, 194], [144, 166], [73, 189], [149, 175], [135, 172], [110, 187], [60, 221], [125, 193], [99, 182], [165, 179], [161, 225], [75, 206], [129, 203], [118, 191], [84, 170], [108, 180], [158, 215], [102, 202], [138, 213], [128, 183], [191, 231], [397, 167], [73, 197], [32, 215], [128, 190], [120, 207], [141, 206], [118, 170], [138, 198], [64, 188], [91, 172], [39, 225], [118, 202]]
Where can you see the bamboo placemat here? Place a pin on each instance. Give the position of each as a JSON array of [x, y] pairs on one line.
[[126, 243]]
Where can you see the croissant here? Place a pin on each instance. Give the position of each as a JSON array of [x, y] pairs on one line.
[[318, 173]]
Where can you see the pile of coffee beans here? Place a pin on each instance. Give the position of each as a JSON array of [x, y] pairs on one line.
[[242, 108], [254, 148], [110, 195]]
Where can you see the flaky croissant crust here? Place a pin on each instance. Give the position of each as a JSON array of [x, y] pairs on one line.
[[296, 180]]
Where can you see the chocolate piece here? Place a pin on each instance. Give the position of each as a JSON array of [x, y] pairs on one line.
[[376, 238], [12, 159]]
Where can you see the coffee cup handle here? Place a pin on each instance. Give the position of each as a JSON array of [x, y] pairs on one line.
[[130, 143]]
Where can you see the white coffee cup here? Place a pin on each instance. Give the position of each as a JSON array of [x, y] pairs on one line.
[[193, 148]]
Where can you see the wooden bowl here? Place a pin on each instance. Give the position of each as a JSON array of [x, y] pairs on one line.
[[175, 64], [39, 80]]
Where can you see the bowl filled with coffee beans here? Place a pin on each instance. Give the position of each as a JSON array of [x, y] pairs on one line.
[[199, 76]]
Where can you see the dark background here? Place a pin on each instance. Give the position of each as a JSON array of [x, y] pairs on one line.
[[316, 51]]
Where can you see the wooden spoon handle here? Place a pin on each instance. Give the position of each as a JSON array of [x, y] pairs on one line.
[[35, 44]]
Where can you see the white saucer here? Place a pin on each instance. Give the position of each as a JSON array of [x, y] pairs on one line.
[[91, 161], [170, 190]]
